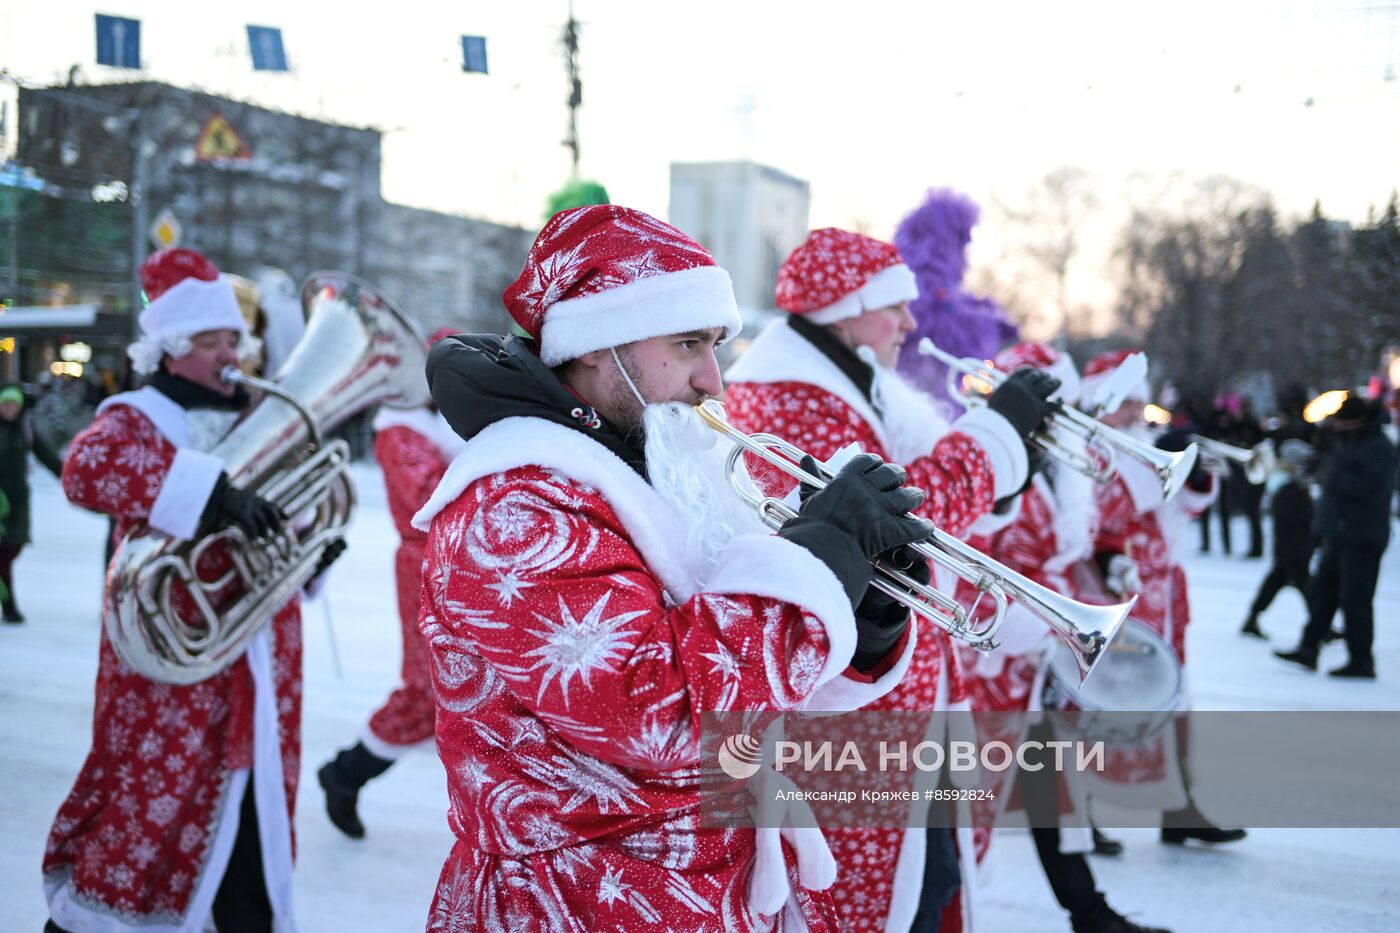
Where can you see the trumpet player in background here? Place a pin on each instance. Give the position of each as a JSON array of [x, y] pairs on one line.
[[1136, 543], [593, 584], [822, 378], [182, 812], [413, 448], [1050, 538]]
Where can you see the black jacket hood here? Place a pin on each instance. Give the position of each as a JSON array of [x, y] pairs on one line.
[[479, 379]]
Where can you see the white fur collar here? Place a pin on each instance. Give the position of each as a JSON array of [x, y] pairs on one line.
[[780, 354], [523, 441], [169, 418], [428, 423]]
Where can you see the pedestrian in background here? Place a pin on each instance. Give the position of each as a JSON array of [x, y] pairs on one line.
[[1353, 523], [1291, 508], [17, 440]]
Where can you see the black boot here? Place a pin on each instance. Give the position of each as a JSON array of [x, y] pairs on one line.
[[12, 614], [1354, 671], [1107, 920], [1105, 845], [341, 778], [1251, 627], [1302, 655], [1209, 834]]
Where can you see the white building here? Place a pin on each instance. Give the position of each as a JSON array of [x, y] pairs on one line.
[[748, 215]]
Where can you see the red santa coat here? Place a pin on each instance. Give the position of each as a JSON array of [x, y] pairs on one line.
[[1133, 520], [143, 838], [787, 387], [572, 652], [413, 449]]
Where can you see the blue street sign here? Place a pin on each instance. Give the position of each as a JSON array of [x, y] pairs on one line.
[[265, 43], [118, 41], [474, 54]]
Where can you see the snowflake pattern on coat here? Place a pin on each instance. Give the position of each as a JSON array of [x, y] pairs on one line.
[[412, 466], [1162, 603], [956, 476], [569, 688], [134, 835]]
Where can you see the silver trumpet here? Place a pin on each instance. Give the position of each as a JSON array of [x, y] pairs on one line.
[[1086, 630], [174, 625], [1257, 461], [1080, 442]]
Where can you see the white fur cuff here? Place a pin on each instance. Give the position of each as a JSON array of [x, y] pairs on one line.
[[774, 568], [1004, 447], [185, 492]]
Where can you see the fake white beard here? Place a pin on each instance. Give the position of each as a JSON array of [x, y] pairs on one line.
[[1074, 516], [685, 463], [913, 420]]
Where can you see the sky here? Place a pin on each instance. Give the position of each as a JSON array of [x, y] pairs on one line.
[[872, 102]]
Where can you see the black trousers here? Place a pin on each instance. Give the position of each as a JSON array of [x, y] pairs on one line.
[[1070, 877], [1345, 579], [8, 553], [1251, 498], [241, 903], [1220, 507], [1294, 574]]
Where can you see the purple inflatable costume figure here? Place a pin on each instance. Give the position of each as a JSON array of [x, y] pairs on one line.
[[933, 241]]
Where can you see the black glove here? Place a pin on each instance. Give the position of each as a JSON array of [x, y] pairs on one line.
[[880, 619], [868, 500], [1023, 399], [862, 512], [328, 556], [255, 515]]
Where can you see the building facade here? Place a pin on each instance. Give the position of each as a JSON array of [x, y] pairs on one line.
[[749, 216], [254, 189]]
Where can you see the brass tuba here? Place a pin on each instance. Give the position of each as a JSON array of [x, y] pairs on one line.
[[358, 350]]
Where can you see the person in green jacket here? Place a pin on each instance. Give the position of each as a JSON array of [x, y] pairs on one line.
[[17, 439]]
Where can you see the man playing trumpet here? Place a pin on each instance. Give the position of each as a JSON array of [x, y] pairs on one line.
[[823, 378], [1048, 541], [592, 585], [1136, 542]]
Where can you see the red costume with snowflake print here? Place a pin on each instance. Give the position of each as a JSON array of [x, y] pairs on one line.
[[413, 449], [572, 654], [143, 838], [1133, 520]]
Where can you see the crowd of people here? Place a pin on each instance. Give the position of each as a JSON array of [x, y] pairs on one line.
[[578, 582]]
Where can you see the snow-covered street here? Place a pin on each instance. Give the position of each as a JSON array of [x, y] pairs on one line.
[[1277, 879]]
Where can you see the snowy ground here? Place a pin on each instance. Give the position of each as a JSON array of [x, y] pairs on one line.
[[1320, 880]]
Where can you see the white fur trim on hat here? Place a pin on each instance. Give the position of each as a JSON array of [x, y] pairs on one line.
[[889, 286], [191, 307], [672, 303], [1089, 386]]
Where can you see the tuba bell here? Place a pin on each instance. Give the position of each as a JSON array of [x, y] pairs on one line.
[[358, 350]]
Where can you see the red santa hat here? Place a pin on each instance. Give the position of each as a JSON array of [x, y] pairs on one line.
[[1100, 368], [603, 275], [187, 295], [1045, 357], [837, 274]]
